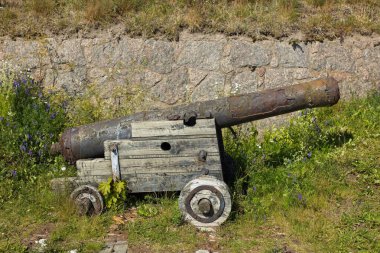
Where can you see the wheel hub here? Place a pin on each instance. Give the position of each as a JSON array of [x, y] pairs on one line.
[[205, 210]]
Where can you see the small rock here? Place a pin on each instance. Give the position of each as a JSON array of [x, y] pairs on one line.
[[117, 247], [202, 251], [42, 243]]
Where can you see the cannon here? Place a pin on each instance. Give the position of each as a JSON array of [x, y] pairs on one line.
[[178, 149]]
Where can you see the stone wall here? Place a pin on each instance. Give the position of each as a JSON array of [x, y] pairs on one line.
[[195, 68]]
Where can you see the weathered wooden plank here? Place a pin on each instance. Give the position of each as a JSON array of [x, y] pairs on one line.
[[172, 128], [90, 164], [177, 147], [151, 183], [147, 166], [146, 163], [137, 172], [68, 184], [174, 137], [162, 183]]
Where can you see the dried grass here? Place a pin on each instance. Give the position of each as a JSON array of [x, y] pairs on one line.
[[317, 19]]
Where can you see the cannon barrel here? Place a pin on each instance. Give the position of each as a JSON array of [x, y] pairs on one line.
[[87, 141]]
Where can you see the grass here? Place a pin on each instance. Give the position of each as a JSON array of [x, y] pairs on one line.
[[317, 19], [312, 186]]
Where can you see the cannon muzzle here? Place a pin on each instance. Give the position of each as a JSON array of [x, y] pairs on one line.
[[87, 141]]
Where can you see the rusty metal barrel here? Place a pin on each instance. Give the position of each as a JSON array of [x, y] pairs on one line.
[[87, 141]]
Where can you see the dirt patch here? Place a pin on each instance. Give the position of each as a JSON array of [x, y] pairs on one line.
[[40, 233]]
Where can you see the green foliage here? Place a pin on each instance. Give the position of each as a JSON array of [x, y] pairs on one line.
[[93, 105], [317, 3], [28, 126], [114, 193], [37, 211], [272, 172], [147, 210]]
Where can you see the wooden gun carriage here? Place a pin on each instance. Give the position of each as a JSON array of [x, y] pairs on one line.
[[180, 149]]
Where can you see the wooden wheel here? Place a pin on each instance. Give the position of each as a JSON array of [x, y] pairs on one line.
[[88, 200], [205, 202]]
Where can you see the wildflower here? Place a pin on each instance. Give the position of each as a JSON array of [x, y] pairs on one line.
[[47, 105], [28, 136], [14, 173], [1, 118], [16, 84], [254, 188], [30, 153], [63, 168], [309, 154], [23, 147], [53, 115], [299, 196]]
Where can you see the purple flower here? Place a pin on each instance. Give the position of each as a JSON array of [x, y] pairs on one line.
[[299, 196], [16, 84], [28, 136], [1, 118], [23, 148], [40, 94], [254, 188], [53, 115], [47, 106], [14, 173], [30, 153], [309, 154]]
